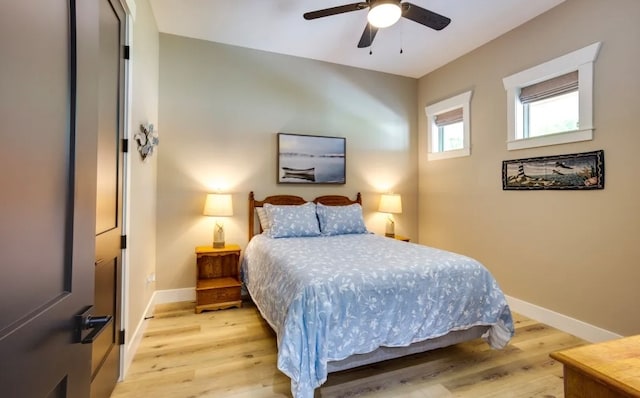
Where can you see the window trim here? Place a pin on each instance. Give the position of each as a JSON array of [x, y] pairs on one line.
[[459, 101], [581, 60]]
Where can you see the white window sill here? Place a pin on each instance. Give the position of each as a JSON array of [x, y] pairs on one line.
[[458, 153], [551, 139]]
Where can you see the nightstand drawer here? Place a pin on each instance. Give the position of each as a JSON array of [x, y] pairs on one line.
[[220, 295], [217, 293]]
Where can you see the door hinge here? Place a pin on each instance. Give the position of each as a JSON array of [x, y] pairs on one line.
[[122, 337], [127, 52], [125, 145], [123, 242]]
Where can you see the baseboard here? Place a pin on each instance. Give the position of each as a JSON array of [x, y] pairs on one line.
[[158, 297], [174, 295], [567, 324], [131, 348]]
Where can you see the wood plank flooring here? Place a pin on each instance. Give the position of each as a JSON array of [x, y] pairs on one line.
[[232, 353]]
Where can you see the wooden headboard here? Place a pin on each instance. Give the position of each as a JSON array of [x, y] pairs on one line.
[[327, 200]]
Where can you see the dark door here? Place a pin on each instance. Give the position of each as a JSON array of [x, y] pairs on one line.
[[105, 363], [48, 140]]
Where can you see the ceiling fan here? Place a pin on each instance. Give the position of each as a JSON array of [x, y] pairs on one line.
[[384, 13]]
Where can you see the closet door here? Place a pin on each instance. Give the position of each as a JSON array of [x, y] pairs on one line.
[[48, 141]]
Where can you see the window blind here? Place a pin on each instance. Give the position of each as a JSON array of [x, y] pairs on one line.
[[562, 84], [449, 117]]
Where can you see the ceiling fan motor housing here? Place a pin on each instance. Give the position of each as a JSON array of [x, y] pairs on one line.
[[384, 13]]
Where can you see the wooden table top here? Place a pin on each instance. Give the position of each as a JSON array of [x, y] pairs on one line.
[[615, 362]]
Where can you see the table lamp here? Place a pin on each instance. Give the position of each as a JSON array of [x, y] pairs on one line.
[[390, 204], [218, 205]]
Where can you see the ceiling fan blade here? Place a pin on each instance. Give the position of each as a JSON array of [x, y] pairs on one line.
[[367, 36], [335, 10], [424, 17]]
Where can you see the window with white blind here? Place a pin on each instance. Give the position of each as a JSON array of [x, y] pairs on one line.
[[448, 131], [552, 103]]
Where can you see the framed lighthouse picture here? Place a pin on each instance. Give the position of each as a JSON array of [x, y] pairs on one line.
[[577, 171]]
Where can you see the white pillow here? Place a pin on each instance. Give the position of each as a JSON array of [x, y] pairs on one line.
[[264, 219]]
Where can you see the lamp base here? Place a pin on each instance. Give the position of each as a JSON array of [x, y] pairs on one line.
[[218, 235], [390, 228]]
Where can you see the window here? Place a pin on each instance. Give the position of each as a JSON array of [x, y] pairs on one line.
[[551, 106], [552, 103], [449, 135]]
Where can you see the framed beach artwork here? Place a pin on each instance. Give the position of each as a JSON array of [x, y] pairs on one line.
[[575, 171], [311, 159]]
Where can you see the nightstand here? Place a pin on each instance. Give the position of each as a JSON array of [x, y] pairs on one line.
[[402, 238], [218, 283]]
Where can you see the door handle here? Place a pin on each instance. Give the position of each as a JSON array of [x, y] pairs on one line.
[[96, 325]]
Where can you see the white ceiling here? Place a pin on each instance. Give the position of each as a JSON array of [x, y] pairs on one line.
[[278, 26]]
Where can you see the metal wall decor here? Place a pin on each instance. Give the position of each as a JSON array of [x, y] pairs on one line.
[[146, 139], [575, 171]]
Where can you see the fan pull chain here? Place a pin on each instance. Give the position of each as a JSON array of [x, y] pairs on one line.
[[401, 38]]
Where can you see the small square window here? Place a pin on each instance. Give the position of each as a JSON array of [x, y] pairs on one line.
[[448, 131]]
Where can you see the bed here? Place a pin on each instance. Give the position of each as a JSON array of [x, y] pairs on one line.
[[339, 297]]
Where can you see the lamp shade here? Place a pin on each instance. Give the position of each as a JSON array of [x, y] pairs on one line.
[[218, 205], [384, 13], [390, 203]]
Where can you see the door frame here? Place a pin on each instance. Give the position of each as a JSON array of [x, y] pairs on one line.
[[129, 7]]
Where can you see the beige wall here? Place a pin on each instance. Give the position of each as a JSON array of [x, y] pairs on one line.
[[142, 178], [577, 252], [220, 110]]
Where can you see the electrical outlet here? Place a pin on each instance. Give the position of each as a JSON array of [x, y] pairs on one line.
[[151, 277]]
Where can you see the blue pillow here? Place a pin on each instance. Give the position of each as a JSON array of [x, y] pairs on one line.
[[292, 220], [341, 220]]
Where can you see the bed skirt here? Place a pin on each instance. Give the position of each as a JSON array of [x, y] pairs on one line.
[[386, 353]]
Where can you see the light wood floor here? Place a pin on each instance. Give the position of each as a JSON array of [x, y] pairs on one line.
[[232, 353]]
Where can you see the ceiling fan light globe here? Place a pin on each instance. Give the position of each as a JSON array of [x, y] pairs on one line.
[[383, 15]]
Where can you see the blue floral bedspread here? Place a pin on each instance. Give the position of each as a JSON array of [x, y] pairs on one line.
[[330, 297]]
